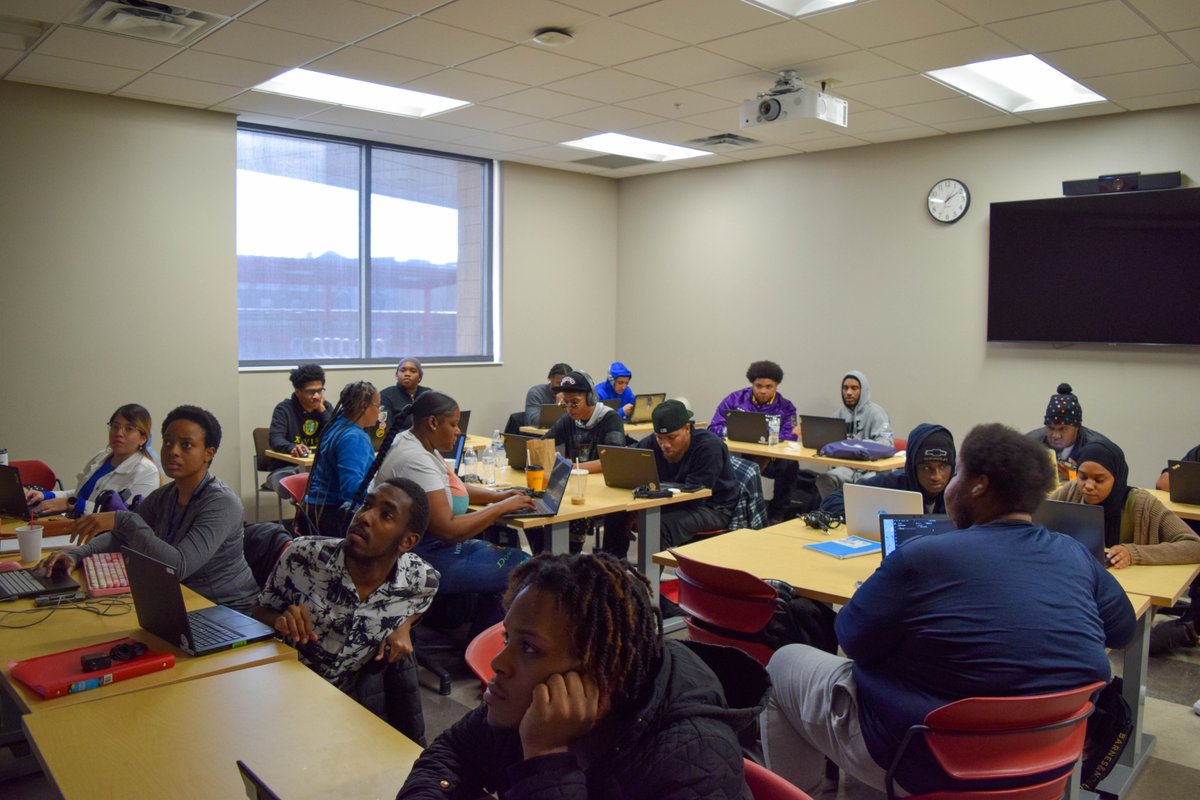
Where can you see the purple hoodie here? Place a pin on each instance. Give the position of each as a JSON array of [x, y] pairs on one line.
[[743, 400]]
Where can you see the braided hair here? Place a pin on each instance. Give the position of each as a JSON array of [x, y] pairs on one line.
[[617, 628], [354, 400]]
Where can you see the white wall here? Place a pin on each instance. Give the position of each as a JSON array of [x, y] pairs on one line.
[[118, 276], [828, 261]]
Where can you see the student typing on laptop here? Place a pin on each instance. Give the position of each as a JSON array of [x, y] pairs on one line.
[[616, 387], [126, 467], [193, 524], [927, 470], [344, 602]]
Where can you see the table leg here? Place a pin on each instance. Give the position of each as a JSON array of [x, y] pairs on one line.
[[649, 536], [1133, 680], [560, 537]]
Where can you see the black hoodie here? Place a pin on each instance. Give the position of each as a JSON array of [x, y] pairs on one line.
[[905, 480]]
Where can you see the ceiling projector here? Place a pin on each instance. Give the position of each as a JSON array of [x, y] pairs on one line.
[[790, 100]]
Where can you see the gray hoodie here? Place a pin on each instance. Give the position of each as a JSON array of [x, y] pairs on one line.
[[867, 420]]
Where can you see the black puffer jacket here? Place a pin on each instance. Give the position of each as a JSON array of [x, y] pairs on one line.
[[680, 744]]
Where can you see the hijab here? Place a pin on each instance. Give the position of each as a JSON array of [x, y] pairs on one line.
[[1109, 456]]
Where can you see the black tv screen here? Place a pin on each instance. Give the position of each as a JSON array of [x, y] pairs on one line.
[[1120, 268]]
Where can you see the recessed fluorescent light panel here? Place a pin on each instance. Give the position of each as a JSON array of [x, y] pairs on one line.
[[622, 145], [358, 94], [800, 8], [1017, 84]]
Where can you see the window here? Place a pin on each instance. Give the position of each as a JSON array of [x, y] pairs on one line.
[[356, 252]]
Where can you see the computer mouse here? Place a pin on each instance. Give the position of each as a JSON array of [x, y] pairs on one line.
[[7, 566]]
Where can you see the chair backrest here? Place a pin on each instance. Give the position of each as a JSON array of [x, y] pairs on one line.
[[262, 443], [750, 511], [724, 597], [35, 473], [900, 443], [482, 649], [296, 486], [766, 785], [1004, 737]]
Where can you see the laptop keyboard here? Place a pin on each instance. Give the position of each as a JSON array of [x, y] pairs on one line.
[[17, 583], [206, 633]]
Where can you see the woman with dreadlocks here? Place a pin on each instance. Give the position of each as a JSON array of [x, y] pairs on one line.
[[344, 454], [588, 701]]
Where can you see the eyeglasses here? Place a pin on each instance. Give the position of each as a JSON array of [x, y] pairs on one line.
[[117, 427], [313, 392]]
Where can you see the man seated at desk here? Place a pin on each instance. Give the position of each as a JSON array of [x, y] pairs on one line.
[[694, 458], [1000, 607], [927, 470], [193, 524], [1063, 430], [762, 397], [344, 602], [616, 387], [297, 421], [544, 394], [865, 419]]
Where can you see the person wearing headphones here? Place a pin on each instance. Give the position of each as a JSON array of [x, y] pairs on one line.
[[616, 387]]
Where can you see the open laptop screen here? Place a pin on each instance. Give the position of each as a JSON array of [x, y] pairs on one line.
[[897, 529]]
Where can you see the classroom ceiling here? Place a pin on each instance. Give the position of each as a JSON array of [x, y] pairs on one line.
[[669, 70]]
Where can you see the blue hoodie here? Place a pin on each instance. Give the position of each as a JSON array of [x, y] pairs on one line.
[[903, 479]]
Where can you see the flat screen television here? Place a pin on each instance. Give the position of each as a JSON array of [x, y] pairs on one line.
[[1119, 268]]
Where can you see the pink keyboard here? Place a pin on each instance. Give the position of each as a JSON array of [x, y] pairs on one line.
[[104, 574]]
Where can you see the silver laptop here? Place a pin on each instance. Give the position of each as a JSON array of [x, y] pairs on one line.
[[864, 505]]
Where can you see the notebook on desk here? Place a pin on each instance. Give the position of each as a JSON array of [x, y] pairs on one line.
[[1185, 481], [1082, 522], [816, 432], [746, 426], [158, 600], [865, 504], [644, 405]]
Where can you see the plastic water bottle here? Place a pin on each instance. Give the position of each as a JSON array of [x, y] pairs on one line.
[[487, 465], [885, 433], [501, 462], [773, 423], [470, 464]]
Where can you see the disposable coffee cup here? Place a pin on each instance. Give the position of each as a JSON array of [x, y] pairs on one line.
[[535, 478], [29, 540], [578, 486]]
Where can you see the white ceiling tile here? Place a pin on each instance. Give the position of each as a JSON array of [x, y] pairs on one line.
[[860, 66], [275, 105], [464, 85], [1181, 78], [393, 123], [268, 45], [1072, 112], [899, 91], [829, 143], [224, 8], [1169, 15], [342, 20], [995, 10], [1189, 40], [8, 58], [779, 46], [499, 142], [695, 21], [180, 91], [677, 103], [551, 131], [39, 10], [674, 131], [609, 86], [372, 65], [529, 65], [873, 24], [298, 124], [55, 71], [1163, 100], [485, 118], [969, 125], [949, 50], [541, 103], [405, 6], [609, 118], [1146, 52], [862, 122], [899, 134], [604, 7], [945, 110], [686, 67], [426, 40], [104, 48], [735, 90], [554, 153], [1109, 21], [725, 120], [215, 68], [766, 151], [608, 42], [514, 20]]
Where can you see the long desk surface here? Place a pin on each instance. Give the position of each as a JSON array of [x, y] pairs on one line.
[[1182, 510], [299, 734], [61, 629], [792, 451]]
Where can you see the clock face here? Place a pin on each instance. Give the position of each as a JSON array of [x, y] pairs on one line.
[[949, 200]]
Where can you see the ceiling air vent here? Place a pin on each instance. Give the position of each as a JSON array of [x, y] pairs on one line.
[[723, 142], [157, 22], [614, 162]]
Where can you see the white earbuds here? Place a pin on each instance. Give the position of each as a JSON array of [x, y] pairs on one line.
[[977, 489]]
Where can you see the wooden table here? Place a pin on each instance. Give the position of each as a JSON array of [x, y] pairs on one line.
[[631, 428], [303, 738], [1182, 510], [300, 461], [786, 451]]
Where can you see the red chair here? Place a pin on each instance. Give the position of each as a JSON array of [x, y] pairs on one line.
[[900, 443], [987, 738], [766, 785], [725, 598], [482, 649], [36, 475], [297, 486]]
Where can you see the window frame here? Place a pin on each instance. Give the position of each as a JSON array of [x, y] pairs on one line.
[[489, 306]]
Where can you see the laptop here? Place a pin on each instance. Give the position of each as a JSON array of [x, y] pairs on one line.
[[816, 432], [864, 505], [516, 451], [12, 495], [464, 419], [547, 505], [1080, 521], [456, 452], [746, 426], [898, 529], [613, 402], [549, 414], [1185, 481], [644, 405], [18, 583], [628, 467], [158, 601], [256, 789]]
